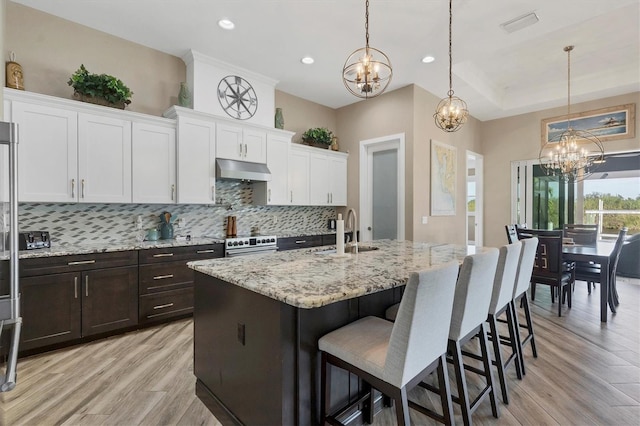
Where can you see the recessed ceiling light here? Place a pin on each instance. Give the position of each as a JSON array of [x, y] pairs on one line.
[[226, 24], [307, 60], [428, 59]]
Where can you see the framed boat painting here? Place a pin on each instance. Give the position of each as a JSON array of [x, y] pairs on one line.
[[607, 124]]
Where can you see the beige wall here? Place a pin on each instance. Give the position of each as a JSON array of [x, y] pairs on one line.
[[518, 138], [440, 229], [301, 115], [50, 49], [385, 115]]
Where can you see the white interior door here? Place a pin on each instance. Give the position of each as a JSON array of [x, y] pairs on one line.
[[382, 188], [474, 200]]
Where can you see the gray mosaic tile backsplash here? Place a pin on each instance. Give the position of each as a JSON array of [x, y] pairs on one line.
[[111, 223]]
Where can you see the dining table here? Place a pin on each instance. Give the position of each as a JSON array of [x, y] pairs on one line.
[[600, 254]]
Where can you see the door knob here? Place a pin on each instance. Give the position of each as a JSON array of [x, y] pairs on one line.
[[368, 228]]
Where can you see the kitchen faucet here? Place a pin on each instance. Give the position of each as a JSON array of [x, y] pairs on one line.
[[354, 228]]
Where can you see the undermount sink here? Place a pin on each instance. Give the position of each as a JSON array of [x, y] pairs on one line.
[[361, 249]]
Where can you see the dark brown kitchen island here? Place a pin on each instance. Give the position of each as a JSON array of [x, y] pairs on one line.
[[257, 321]]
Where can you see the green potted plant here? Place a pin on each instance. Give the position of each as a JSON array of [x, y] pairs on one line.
[[318, 136], [101, 89]]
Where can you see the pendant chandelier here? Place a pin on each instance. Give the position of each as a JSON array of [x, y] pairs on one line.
[[451, 112], [573, 154], [367, 71]]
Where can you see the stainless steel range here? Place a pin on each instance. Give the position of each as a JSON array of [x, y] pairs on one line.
[[244, 246]]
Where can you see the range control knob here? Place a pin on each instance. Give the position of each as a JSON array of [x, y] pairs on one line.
[[229, 244]]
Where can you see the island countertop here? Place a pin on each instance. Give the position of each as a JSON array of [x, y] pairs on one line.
[[306, 278]]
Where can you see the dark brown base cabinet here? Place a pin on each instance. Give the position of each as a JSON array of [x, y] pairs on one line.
[[98, 294], [166, 282]]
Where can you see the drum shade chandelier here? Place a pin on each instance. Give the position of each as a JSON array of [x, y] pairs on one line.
[[451, 112], [572, 154], [367, 71]]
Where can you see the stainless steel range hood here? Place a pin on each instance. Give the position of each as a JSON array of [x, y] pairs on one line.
[[243, 170]]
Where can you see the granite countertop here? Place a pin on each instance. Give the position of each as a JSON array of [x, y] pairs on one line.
[[89, 248], [306, 278]]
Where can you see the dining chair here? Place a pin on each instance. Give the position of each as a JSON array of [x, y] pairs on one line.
[[585, 235], [549, 267], [581, 234], [591, 273], [512, 233], [394, 357]]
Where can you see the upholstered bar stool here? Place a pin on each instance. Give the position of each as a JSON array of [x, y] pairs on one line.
[[470, 310], [503, 286], [523, 278], [395, 357]]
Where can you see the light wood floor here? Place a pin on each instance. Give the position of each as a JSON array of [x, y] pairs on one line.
[[586, 373]]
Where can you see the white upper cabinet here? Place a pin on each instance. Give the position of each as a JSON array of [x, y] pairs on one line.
[[154, 163], [298, 176], [196, 161], [275, 191], [240, 143], [327, 178], [47, 152], [104, 159]]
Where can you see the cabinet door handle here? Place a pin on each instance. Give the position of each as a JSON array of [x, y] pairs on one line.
[[291, 196], [173, 191], [162, 277], [240, 150], [86, 285], [166, 305], [269, 196], [331, 197], [81, 262], [75, 287], [301, 241], [82, 183], [73, 188], [205, 251], [328, 198], [245, 149], [163, 255], [213, 193]]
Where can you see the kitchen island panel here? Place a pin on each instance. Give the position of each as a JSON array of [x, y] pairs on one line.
[[274, 378]]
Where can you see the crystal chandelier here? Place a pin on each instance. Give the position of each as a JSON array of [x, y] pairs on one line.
[[451, 112], [367, 71], [573, 154]]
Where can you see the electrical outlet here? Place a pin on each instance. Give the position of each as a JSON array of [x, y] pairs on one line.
[[275, 219], [425, 219], [139, 222]]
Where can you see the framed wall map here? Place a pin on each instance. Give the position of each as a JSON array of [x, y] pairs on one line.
[[443, 179]]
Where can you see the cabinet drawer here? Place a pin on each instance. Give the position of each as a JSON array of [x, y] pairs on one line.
[[79, 262], [291, 243], [167, 304], [158, 277], [187, 253]]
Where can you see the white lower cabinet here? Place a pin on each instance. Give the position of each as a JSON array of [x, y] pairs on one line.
[[154, 163]]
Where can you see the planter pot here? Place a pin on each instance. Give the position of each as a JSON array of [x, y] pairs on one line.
[[99, 101], [317, 145]]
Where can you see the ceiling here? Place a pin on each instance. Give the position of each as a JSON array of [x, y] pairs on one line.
[[498, 74]]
